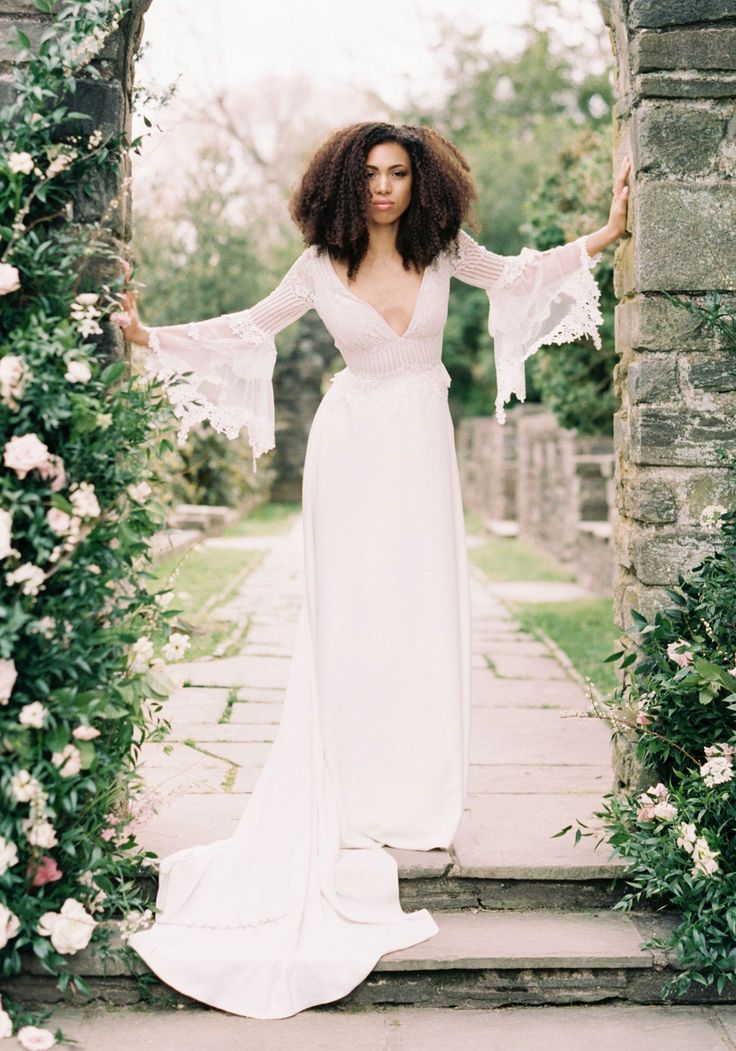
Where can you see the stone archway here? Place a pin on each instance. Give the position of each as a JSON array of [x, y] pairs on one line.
[[675, 116]]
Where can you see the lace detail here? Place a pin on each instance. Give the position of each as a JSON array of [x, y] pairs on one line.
[[244, 327], [298, 288], [392, 390], [514, 266], [191, 407]]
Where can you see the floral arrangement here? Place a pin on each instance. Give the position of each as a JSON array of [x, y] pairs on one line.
[[80, 688], [677, 706]]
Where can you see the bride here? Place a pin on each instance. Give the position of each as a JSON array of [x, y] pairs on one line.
[[298, 905]]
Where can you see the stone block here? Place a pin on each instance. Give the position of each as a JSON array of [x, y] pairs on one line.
[[700, 489], [34, 30], [671, 138], [653, 378], [647, 500], [632, 594], [672, 218], [684, 49], [656, 14], [709, 372], [19, 7], [651, 323], [659, 558], [660, 435], [688, 85], [104, 103]]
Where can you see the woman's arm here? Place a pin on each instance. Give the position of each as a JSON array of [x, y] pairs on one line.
[[618, 215]]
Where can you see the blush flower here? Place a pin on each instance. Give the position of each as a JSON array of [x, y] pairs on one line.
[[9, 279], [31, 1038], [70, 929], [25, 452], [33, 715], [6, 534], [681, 657], [8, 675], [78, 372], [14, 375], [85, 733], [44, 871], [9, 925], [68, 760], [8, 855]]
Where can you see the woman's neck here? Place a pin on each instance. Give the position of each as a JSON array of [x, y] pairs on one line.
[[382, 240]]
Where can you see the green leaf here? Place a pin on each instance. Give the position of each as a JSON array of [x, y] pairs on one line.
[[113, 372], [22, 38], [562, 832]]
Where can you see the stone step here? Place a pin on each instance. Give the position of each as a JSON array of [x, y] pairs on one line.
[[478, 959]]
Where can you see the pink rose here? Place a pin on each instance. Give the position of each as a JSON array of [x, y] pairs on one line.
[[645, 812], [643, 719], [47, 871], [54, 469], [25, 452], [9, 279], [107, 834], [681, 659]]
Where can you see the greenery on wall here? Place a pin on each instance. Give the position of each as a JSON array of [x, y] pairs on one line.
[[79, 689]]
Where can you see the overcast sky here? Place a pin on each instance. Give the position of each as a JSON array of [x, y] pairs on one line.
[[381, 44]]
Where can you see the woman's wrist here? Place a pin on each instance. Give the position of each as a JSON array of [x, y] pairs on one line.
[[601, 239]]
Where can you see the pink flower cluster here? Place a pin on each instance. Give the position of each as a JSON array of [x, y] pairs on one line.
[[655, 803]]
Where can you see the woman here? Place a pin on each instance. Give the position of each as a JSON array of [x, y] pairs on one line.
[[298, 905]]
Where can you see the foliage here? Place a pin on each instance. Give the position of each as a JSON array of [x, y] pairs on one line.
[[510, 115], [576, 381], [199, 261], [78, 440]]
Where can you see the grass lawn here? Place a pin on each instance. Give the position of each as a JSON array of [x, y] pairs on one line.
[[266, 519], [583, 628]]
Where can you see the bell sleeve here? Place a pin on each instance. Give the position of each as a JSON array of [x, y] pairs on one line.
[[535, 299], [221, 369]]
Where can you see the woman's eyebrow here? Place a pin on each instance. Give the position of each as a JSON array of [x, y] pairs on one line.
[[374, 167]]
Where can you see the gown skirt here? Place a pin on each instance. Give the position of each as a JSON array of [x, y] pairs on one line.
[[298, 905]]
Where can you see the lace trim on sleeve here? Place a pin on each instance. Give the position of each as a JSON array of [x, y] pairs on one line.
[[559, 310]]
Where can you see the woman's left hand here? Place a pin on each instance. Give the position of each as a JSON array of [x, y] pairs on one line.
[[619, 205]]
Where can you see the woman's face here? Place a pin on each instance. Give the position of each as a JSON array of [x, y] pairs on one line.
[[389, 178]]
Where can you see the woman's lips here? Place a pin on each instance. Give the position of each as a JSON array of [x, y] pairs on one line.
[[383, 205]]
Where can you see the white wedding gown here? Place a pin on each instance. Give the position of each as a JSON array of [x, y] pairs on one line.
[[298, 905]]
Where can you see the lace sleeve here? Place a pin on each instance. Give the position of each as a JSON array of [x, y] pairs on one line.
[[536, 298], [221, 370]]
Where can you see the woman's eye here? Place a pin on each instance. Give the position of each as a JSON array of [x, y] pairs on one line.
[[401, 175]]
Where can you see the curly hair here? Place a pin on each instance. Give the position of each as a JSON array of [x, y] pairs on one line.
[[330, 203]]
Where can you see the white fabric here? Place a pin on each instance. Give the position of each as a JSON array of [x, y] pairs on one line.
[[298, 905]]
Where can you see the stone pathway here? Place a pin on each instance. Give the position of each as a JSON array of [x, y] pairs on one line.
[[532, 770], [407, 1029]]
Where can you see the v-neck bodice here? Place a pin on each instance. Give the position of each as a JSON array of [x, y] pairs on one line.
[[367, 342]]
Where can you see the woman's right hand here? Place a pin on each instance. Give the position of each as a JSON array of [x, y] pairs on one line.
[[127, 318]]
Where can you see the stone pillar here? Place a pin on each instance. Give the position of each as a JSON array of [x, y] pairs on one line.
[[676, 118], [107, 101]]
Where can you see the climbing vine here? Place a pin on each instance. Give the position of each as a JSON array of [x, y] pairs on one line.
[[80, 686]]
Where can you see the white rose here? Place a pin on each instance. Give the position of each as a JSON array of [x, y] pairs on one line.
[[45, 626], [31, 1038], [72, 927], [24, 786], [666, 811], [78, 372], [33, 715], [139, 492], [164, 599], [24, 452], [8, 855], [85, 733], [20, 163], [9, 279], [9, 925], [40, 833], [68, 760], [59, 521], [142, 653], [6, 1025], [87, 299], [13, 377], [84, 500], [30, 578], [176, 647], [8, 675], [6, 533]]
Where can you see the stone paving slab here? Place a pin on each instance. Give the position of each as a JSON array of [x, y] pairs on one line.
[[195, 704], [490, 691], [579, 1028], [525, 666], [538, 778], [529, 737], [172, 768], [510, 836], [525, 940], [236, 671], [192, 819], [537, 590], [205, 733]]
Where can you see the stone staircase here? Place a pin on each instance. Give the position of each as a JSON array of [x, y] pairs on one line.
[[524, 917]]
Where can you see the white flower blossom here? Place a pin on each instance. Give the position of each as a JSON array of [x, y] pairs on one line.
[[78, 372], [8, 855], [716, 771], [139, 492], [14, 374], [58, 521], [32, 1038], [164, 599], [688, 836], [24, 786], [33, 715], [6, 1025], [84, 500], [70, 929], [134, 921], [176, 647], [9, 279], [44, 626], [29, 576], [142, 651], [95, 139], [85, 733], [680, 658], [40, 833], [6, 534], [20, 163], [704, 858], [9, 925], [25, 452], [103, 420], [68, 760], [665, 811], [8, 675]]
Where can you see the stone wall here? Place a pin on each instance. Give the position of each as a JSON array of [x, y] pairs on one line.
[[554, 486], [675, 116]]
